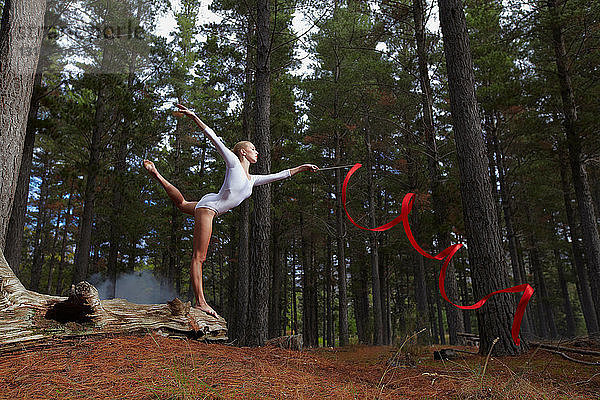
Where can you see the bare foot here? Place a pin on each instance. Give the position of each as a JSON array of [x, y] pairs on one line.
[[207, 309], [149, 165]]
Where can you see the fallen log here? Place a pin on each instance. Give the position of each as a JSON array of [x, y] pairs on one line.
[[27, 317]]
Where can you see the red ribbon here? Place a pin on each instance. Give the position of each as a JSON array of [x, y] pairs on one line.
[[446, 254]]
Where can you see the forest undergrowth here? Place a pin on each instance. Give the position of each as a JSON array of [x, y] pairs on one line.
[[156, 367]]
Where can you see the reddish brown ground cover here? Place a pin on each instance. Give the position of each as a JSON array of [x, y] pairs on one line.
[[154, 367]]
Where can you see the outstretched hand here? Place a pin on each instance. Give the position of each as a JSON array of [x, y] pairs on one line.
[[183, 110], [309, 167]]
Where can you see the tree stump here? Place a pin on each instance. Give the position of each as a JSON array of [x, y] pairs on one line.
[[30, 317]]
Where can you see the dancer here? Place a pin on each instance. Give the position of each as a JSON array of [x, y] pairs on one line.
[[236, 188]]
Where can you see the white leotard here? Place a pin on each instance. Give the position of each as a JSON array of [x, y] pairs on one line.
[[236, 187]]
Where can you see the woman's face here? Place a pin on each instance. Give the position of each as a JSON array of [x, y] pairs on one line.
[[251, 153]]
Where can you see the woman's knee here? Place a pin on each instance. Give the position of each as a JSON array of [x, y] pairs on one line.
[[198, 258]]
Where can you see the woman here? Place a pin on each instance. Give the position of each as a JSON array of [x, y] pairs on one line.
[[236, 188]]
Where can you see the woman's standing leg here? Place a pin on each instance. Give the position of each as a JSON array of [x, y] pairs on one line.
[[173, 193], [203, 218]]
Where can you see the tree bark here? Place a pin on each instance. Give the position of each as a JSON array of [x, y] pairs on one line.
[[340, 219], [329, 295], [243, 264], [309, 333], [420, 285], [585, 206], [275, 292], [465, 298], [359, 289], [284, 300], [294, 318], [16, 225], [385, 298], [481, 224], [374, 245], [20, 40], [261, 216], [453, 314]]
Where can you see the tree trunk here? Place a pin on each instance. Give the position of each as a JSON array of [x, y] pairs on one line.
[[359, 288], [116, 212], [465, 298], [385, 300], [340, 219], [63, 246], [82, 252], [507, 208], [547, 315], [40, 237], [52, 261], [585, 206], [481, 224], [174, 266], [329, 294], [232, 278], [310, 336], [433, 317], [275, 292], [118, 185], [19, 55], [453, 314], [564, 290], [286, 279], [374, 245], [261, 216], [243, 264], [294, 307], [16, 225], [420, 285], [585, 294]]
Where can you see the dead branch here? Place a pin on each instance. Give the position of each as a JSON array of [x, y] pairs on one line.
[[563, 355], [568, 349]]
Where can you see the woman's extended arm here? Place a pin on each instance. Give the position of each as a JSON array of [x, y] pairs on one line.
[[228, 155], [264, 179], [286, 173]]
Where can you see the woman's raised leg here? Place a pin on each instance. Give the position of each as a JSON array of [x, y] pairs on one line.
[[203, 218], [173, 193]]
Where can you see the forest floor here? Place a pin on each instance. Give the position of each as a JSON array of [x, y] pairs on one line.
[[155, 367]]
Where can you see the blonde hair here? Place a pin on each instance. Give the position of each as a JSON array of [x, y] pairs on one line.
[[239, 146]]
